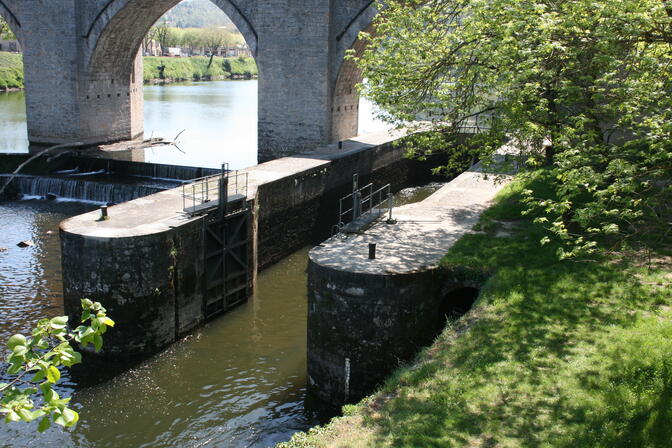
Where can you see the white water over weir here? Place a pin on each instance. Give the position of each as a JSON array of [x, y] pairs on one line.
[[81, 189]]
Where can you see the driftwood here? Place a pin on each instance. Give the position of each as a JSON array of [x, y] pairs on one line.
[[30, 159]]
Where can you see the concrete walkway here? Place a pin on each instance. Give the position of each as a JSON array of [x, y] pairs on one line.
[[162, 211], [423, 231]]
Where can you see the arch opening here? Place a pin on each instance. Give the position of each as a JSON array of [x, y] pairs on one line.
[[11, 21], [351, 113], [112, 85]]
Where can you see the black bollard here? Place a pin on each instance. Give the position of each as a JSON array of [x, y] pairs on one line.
[[372, 251]]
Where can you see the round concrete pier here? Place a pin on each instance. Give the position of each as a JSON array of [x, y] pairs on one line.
[[361, 326]]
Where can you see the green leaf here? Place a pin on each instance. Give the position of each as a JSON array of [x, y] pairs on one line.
[[17, 339], [97, 342], [20, 350], [71, 417], [53, 374], [107, 321], [59, 322], [15, 367], [47, 392], [45, 423], [25, 415]]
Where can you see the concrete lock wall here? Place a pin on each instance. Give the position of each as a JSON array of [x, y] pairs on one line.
[[151, 284], [362, 326], [146, 263], [301, 209]]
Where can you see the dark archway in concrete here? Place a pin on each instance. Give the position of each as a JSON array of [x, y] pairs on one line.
[[345, 97], [458, 301], [12, 20]]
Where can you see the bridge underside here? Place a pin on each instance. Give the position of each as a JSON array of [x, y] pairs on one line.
[[83, 70]]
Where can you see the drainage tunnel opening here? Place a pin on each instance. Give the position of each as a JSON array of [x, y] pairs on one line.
[[458, 301]]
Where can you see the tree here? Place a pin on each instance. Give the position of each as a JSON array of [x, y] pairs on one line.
[[213, 39], [191, 39], [580, 85], [148, 39], [165, 36], [34, 361]]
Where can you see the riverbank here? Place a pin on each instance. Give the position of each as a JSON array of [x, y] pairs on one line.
[[11, 71], [174, 69], [165, 69], [553, 352]]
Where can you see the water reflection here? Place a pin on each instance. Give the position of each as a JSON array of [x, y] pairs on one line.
[[13, 130]]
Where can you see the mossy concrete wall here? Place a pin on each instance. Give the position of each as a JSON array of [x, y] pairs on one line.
[[152, 285]]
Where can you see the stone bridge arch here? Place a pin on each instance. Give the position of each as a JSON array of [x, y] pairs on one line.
[[115, 33], [86, 82], [111, 82]]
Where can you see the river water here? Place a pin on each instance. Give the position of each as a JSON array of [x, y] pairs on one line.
[[240, 380]]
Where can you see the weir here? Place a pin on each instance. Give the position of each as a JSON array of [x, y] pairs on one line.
[[149, 262], [91, 179]]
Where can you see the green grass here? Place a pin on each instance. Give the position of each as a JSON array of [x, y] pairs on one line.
[[11, 71], [553, 354], [196, 68]]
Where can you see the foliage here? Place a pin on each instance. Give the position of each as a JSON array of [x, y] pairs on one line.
[[213, 39], [34, 363], [581, 85], [241, 66], [165, 36], [555, 353], [5, 31], [11, 71], [201, 40]]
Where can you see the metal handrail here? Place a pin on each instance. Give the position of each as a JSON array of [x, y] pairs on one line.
[[207, 189], [364, 201]]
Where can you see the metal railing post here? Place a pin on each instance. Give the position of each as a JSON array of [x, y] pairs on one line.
[[389, 206]]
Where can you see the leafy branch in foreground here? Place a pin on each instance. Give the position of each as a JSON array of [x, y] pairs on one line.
[[34, 361], [581, 87]]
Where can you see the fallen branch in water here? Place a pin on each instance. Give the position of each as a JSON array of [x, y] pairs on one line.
[[35, 156]]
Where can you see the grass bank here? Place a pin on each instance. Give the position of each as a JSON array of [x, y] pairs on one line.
[[196, 68], [11, 71], [176, 69], [554, 353]]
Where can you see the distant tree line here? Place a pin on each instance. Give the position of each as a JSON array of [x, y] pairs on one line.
[[204, 41]]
